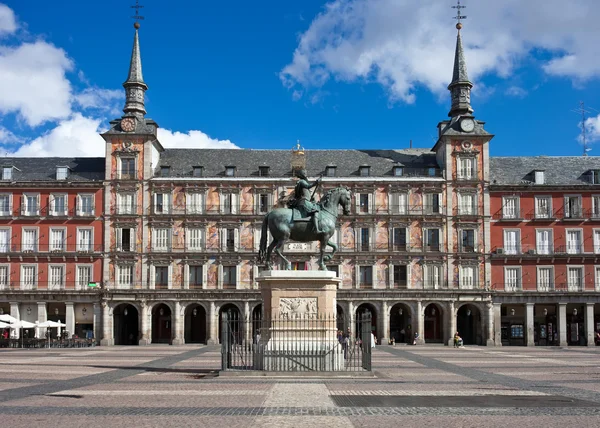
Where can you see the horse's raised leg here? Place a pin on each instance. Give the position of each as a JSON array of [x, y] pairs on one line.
[[322, 255], [278, 246], [269, 251], [329, 256]]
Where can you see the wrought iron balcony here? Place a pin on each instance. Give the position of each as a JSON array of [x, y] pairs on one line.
[[55, 248]]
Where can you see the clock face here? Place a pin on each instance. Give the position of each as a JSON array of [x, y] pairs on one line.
[[467, 125], [128, 124]]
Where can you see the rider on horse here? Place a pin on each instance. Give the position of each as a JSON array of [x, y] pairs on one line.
[[304, 201]]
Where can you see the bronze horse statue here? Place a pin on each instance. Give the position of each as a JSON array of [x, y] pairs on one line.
[[284, 225]]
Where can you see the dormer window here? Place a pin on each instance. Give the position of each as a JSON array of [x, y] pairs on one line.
[[364, 171], [165, 171], [539, 176], [263, 171], [398, 171], [431, 172], [330, 171], [230, 171], [7, 173], [197, 171], [595, 176], [62, 172]]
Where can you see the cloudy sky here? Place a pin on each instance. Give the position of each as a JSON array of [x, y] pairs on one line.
[[334, 74]]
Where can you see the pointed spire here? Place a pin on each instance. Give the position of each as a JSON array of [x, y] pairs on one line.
[[460, 87], [135, 87]]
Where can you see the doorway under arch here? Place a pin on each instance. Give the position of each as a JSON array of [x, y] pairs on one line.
[[126, 324], [433, 324], [235, 326], [161, 324], [340, 318], [364, 310], [195, 324], [400, 323], [468, 324]]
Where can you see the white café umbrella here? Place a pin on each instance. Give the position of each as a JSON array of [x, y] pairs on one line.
[[7, 318], [51, 324], [22, 324], [4, 325]]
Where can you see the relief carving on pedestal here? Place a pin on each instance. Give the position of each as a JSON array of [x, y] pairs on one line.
[[297, 307]]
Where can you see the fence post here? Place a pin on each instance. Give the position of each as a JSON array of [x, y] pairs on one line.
[[224, 341]]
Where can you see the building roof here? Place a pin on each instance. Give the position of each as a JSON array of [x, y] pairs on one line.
[[44, 169], [558, 170], [247, 161]]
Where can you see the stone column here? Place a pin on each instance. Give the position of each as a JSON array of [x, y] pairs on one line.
[[420, 323], [247, 323], [70, 318], [529, 307], [385, 323], [42, 317], [97, 320], [451, 323], [178, 324], [490, 340], [589, 324], [562, 324], [213, 325], [351, 319], [15, 313], [107, 332], [146, 338], [498, 324]]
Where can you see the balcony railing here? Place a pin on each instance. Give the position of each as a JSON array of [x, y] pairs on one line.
[[36, 212], [48, 285], [125, 209], [512, 215], [467, 210], [552, 287], [52, 249]]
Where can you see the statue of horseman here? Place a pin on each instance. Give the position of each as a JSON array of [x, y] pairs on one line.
[[304, 201]]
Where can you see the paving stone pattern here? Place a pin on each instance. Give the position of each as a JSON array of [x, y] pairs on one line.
[[420, 386]]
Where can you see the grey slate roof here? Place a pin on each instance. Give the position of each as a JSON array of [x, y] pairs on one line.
[[44, 169], [559, 170], [247, 161]]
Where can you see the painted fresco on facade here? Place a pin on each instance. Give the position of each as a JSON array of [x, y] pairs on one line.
[[416, 234], [381, 200], [416, 272], [211, 274], [212, 237], [382, 274], [213, 201], [382, 236], [347, 239], [245, 275], [246, 236], [247, 201]]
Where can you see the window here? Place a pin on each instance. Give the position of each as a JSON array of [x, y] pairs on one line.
[[161, 203], [596, 241], [229, 277], [596, 206], [29, 241], [399, 241], [364, 171], [229, 203], [432, 203], [5, 205], [510, 207], [545, 278], [230, 239], [263, 171], [195, 278], [195, 239], [84, 240], [512, 241], [56, 278], [124, 276], [84, 277], [165, 171], [298, 265], [466, 168], [57, 239], [596, 284], [468, 277], [433, 276], [575, 278], [400, 276], [467, 204], [128, 169], [28, 277], [512, 278], [4, 240], [31, 205], [573, 207], [595, 174], [539, 177], [230, 171], [126, 203], [543, 207], [398, 171], [85, 205], [574, 242], [58, 205], [161, 239], [7, 173], [366, 276], [467, 240], [365, 239], [4, 278], [432, 239], [330, 171], [161, 277], [195, 203], [263, 203], [125, 239], [62, 172], [197, 171], [399, 203], [543, 241], [363, 203]]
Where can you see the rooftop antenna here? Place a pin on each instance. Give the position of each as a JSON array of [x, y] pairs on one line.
[[137, 15], [583, 111]]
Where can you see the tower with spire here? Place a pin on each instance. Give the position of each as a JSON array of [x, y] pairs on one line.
[[135, 87], [460, 87]]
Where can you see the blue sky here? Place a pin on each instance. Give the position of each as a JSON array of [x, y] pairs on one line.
[[338, 74]]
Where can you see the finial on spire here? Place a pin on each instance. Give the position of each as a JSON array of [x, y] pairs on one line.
[[460, 87], [135, 87], [458, 16], [137, 15]]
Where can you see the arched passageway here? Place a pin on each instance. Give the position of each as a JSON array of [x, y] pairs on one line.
[[365, 310], [195, 324], [235, 327], [400, 323], [468, 325], [126, 324], [433, 324], [161, 324], [340, 318]]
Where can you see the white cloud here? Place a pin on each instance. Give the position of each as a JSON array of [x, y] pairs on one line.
[[191, 140], [8, 23], [592, 128], [7, 137], [516, 91], [403, 44]]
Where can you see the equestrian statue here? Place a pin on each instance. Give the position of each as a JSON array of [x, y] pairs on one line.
[[304, 220]]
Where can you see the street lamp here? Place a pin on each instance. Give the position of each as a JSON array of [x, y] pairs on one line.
[[195, 312], [84, 310], [512, 312], [161, 312], [545, 311], [468, 312], [400, 312], [575, 311], [125, 312], [55, 311], [1, 311], [432, 311], [29, 311]]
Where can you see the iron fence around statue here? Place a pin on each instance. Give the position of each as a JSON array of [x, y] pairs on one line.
[[308, 343]]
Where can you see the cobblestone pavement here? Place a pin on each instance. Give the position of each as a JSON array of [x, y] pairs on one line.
[[412, 386]]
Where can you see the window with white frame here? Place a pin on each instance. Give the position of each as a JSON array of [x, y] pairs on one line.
[[365, 278], [162, 203], [7, 173], [399, 203], [29, 240], [84, 240], [4, 240], [467, 204], [85, 205], [597, 241], [467, 240], [364, 203], [573, 207], [28, 277], [512, 241], [468, 277], [539, 177], [4, 277], [510, 207], [127, 170], [229, 276], [364, 239], [543, 241], [57, 239], [575, 278], [543, 207], [58, 205], [597, 278], [161, 239], [31, 204], [399, 239], [545, 278], [84, 276], [431, 237], [229, 203], [596, 206], [195, 203], [262, 203], [126, 203], [195, 239], [5, 205], [574, 241], [512, 278], [467, 168], [125, 239], [433, 203], [433, 276], [62, 172], [125, 276], [56, 277], [196, 277]]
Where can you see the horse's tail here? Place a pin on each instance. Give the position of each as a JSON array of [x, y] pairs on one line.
[[262, 251]]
